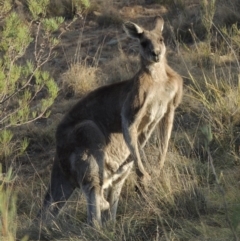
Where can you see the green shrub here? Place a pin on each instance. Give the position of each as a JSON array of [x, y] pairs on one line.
[[26, 91]]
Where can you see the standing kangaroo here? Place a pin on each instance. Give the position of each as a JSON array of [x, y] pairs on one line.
[[98, 135]]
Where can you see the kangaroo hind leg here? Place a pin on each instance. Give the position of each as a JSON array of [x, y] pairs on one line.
[[59, 190], [90, 165]]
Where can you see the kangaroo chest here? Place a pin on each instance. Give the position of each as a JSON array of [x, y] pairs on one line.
[[156, 105]]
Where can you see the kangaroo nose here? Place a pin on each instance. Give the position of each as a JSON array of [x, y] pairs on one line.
[[156, 55], [155, 52]]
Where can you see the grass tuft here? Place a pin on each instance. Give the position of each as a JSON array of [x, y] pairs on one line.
[[80, 79]]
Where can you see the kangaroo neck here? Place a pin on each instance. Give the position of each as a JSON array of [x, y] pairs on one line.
[[156, 70]]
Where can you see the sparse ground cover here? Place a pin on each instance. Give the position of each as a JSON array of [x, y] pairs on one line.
[[196, 197]]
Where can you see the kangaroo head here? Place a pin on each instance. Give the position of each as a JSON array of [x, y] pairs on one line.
[[152, 47]]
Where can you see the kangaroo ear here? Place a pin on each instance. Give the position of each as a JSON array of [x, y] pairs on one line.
[[159, 23], [132, 30]]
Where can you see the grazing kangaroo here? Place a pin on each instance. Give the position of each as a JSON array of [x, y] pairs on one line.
[[101, 137]]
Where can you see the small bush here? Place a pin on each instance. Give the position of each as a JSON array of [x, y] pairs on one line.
[[80, 79]]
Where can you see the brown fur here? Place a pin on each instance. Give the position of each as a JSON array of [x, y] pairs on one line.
[[97, 136]]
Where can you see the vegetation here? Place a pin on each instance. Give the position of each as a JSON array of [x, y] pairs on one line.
[[27, 91], [52, 52]]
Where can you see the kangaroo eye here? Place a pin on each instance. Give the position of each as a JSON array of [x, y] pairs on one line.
[[161, 39]]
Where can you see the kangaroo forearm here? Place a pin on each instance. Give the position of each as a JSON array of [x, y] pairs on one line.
[[131, 138]]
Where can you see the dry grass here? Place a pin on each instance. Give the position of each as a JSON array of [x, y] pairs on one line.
[[121, 68], [80, 79], [109, 17]]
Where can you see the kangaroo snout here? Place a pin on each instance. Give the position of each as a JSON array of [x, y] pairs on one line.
[[156, 55]]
